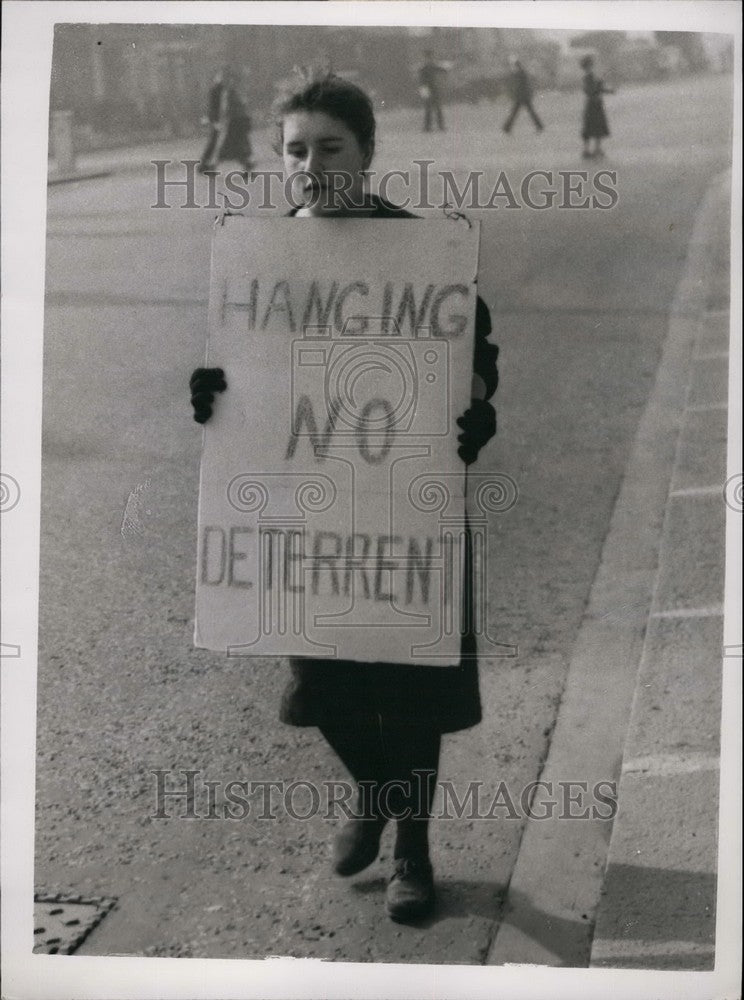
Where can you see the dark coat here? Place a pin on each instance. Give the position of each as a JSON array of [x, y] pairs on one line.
[[323, 692], [594, 125], [225, 106], [520, 86], [431, 75]]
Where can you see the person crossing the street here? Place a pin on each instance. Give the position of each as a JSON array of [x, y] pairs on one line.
[[594, 124], [520, 87], [430, 77], [229, 124]]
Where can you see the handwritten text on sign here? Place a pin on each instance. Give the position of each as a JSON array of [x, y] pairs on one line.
[[331, 511]]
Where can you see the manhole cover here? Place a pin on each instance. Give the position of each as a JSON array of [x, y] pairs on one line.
[[62, 922]]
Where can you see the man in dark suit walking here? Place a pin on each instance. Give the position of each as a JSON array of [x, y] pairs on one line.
[[520, 86], [430, 89]]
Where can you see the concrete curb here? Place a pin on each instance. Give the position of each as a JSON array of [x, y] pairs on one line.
[[555, 889], [77, 175], [136, 159]]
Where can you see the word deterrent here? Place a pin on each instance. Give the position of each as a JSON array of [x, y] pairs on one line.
[[322, 562]]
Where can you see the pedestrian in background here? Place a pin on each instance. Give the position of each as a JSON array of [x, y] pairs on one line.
[[384, 720], [230, 125], [594, 125], [520, 88], [431, 76]]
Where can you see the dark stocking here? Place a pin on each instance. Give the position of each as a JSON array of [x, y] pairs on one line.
[[398, 767], [411, 757], [359, 749]]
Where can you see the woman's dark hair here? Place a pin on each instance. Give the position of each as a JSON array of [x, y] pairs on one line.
[[333, 96]]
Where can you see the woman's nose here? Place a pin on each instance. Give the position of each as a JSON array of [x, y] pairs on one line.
[[313, 162]]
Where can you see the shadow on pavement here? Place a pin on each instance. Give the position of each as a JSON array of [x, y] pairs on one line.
[[659, 904]]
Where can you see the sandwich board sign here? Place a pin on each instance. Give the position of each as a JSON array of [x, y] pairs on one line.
[[331, 503]]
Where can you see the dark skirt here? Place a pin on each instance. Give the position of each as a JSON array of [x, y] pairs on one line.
[[325, 692], [595, 121]]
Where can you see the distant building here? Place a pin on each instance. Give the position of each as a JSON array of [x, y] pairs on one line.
[[129, 81], [132, 82], [690, 45], [126, 79]]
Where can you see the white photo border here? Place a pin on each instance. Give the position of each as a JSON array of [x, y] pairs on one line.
[[26, 60]]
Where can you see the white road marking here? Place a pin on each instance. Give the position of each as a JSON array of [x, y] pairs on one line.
[[698, 491], [668, 765], [644, 949], [714, 612]]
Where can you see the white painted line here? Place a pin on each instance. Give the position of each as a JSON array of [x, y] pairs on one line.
[[668, 765], [714, 612], [706, 407], [698, 491], [644, 949]]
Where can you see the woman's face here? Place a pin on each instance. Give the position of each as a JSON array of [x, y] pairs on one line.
[[328, 160]]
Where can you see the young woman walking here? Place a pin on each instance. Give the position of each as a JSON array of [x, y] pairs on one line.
[[594, 124], [384, 720]]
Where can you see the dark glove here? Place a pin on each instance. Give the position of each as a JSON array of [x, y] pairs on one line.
[[205, 382], [478, 424]]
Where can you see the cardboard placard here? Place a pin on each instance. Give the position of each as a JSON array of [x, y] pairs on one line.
[[331, 507]]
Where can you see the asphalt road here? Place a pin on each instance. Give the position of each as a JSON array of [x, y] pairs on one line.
[[580, 302]]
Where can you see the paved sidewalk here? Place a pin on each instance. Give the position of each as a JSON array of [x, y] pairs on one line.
[[658, 907], [126, 159], [656, 600]]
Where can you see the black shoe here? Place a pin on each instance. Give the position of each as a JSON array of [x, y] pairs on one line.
[[410, 893], [357, 845]]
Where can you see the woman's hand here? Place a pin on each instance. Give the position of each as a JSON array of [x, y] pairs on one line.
[[204, 383], [478, 425]]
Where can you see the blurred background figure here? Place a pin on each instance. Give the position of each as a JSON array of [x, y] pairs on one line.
[[431, 77], [520, 89], [230, 125], [595, 120]]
